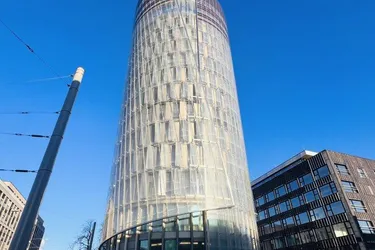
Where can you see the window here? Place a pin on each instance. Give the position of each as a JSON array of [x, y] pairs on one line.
[[283, 206], [262, 215], [293, 186], [362, 173], [335, 208], [143, 245], [328, 189], [342, 169], [260, 201], [288, 222], [358, 206], [292, 240], [307, 237], [278, 243], [340, 230], [306, 179], [317, 214], [302, 218], [296, 202], [277, 225], [321, 172], [311, 196], [271, 211], [366, 227], [270, 196], [267, 229], [280, 191], [349, 187], [321, 234]]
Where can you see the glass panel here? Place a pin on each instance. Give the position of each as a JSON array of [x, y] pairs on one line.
[[288, 222], [358, 206], [272, 211], [262, 215], [317, 214], [295, 202], [280, 191], [340, 230], [278, 243], [171, 225], [270, 196], [198, 223], [321, 172], [306, 179], [156, 244], [143, 245], [328, 189], [342, 169], [303, 218], [277, 225], [335, 208], [184, 224], [366, 227], [321, 234], [198, 245], [311, 196], [293, 186], [170, 245], [349, 187], [283, 206]]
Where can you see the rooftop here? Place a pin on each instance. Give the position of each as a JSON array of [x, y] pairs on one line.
[[306, 154]]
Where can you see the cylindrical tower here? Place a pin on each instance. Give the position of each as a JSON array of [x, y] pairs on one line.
[[180, 147]]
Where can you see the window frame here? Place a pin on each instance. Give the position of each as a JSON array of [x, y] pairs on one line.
[[345, 172]]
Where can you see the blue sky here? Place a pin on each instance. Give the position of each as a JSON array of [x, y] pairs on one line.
[[304, 69]]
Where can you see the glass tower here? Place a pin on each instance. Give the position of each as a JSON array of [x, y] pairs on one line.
[[180, 143]]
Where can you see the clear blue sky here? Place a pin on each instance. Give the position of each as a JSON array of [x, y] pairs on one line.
[[305, 73]]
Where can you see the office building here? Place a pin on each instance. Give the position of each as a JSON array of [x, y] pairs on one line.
[[317, 201], [11, 206], [180, 175]]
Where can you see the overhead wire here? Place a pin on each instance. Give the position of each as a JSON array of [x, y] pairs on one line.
[[29, 48], [26, 135], [41, 80], [30, 113], [18, 170]]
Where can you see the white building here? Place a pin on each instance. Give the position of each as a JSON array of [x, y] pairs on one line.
[[180, 148], [11, 206]]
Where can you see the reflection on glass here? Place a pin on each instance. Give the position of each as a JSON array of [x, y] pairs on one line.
[[143, 245], [184, 224], [170, 245]]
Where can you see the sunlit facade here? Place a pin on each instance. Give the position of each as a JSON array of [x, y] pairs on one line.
[[180, 148]]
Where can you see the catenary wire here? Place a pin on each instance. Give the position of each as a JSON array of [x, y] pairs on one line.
[[29, 48], [18, 170], [27, 135], [30, 113]]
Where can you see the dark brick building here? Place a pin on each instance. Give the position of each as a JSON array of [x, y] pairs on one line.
[[320, 200]]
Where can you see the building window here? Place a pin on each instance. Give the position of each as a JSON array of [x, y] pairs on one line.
[[317, 214], [288, 222], [293, 186], [284, 206], [292, 240], [260, 201], [302, 218], [366, 227], [267, 229], [362, 173], [311, 196], [328, 189], [280, 191], [296, 202], [277, 225], [340, 230], [270, 196], [306, 179], [335, 208], [321, 172], [349, 187], [321, 234], [358, 206], [262, 215], [342, 169], [278, 243], [307, 237], [143, 245], [271, 211]]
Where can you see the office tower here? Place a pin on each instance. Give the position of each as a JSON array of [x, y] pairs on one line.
[[180, 175], [12, 204], [317, 201]]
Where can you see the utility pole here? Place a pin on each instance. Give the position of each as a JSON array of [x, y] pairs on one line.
[[92, 236], [25, 226]]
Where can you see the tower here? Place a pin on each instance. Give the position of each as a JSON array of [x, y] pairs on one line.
[[180, 148]]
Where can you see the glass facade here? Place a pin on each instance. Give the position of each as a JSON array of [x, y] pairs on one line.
[[180, 146]]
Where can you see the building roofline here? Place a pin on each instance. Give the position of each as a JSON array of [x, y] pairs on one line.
[[302, 155]]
